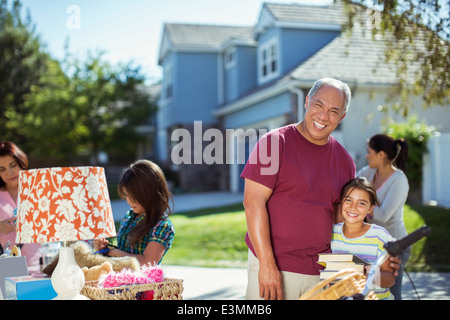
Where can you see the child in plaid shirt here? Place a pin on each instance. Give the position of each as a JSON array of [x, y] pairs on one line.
[[146, 231]]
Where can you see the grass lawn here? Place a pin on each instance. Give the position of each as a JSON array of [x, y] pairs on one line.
[[433, 252], [215, 238], [209, 238]]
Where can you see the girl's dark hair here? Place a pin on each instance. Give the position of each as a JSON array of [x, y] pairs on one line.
[[396, 150], [10, 149], [144, 182], [360, 183]]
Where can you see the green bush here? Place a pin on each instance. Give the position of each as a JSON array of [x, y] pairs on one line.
[[416, 135]]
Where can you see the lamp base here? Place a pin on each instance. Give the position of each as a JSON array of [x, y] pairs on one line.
[[76, 297], [67, 278]]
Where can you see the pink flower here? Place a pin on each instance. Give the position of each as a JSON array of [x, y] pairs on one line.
[[153, 274], [148, 274], [109, 280]]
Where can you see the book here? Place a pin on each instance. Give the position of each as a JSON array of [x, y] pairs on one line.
[[339, 257], [325, 274], [332, 265], [335, 262]]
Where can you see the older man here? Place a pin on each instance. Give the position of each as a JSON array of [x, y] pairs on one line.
[[290, 211]]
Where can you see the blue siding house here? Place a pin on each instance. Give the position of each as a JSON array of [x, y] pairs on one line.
[[253, 78]]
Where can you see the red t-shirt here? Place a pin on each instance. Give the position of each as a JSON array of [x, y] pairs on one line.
[[306, 180]]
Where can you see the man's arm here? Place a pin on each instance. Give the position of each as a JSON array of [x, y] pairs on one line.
[[255, 203]]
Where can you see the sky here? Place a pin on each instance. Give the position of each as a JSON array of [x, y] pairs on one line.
[[131, 30]]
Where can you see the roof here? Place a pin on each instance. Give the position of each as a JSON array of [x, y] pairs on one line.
[[294, 12], [355, 59], [183, 36], [205, 35]]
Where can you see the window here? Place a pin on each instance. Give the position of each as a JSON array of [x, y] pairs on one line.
[[230, 58], [269, 61], [168, 82]]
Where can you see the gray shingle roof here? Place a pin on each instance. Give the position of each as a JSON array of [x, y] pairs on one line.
[[294, 12], [199, 35], [354, 59]]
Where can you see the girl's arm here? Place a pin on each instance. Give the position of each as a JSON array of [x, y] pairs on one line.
[[387, 278], [152, 253]]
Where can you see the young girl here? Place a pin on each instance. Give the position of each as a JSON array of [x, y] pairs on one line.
[[146, 231], [354, 235]]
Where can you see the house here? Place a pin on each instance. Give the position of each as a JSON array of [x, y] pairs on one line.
[[251, 79]]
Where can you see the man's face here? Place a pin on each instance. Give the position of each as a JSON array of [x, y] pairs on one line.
[[324, 111]]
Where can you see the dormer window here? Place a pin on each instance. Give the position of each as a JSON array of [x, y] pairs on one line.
[[168, 82], [230, 58], [268, 57]]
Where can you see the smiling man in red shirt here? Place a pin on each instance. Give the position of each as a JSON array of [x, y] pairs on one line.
[[290, 212]]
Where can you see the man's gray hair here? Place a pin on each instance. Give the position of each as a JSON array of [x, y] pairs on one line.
[[333, 83]]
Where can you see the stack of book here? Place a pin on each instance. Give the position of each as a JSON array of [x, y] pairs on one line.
[[335, 262]]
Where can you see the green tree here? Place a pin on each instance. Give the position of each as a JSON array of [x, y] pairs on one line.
[[111, 102], [83, 108], [49, 119], [66, 111], [21, 63], [416, 34]]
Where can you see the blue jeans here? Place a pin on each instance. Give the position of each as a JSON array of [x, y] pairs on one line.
[[396, 289]]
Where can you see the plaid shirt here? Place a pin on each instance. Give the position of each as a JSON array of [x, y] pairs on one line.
[[162, 233]]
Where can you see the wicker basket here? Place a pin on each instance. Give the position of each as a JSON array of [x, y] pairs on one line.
[[350, 283], [169, 289]]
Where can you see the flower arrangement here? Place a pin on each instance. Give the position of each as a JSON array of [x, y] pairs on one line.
[[148, 274], [125, 277]]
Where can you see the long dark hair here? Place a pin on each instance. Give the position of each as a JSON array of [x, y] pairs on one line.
[[8, 148], [360, 183], [395, 149], [144, 182]]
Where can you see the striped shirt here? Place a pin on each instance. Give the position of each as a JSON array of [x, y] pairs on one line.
[[162, 233], [367, 247]]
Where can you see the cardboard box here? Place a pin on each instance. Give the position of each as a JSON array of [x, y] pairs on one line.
[[29, 288]]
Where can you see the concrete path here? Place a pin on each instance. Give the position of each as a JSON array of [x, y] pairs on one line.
[[231, 283], [185, 202]]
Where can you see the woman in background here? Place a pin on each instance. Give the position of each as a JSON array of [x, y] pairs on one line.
[[386, 159], [12, 161]]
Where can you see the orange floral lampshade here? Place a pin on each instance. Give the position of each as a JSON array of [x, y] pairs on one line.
[[63, 204]]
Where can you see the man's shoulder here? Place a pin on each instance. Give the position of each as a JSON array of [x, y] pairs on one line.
[[280, 134], [340, 149], [281, 131]]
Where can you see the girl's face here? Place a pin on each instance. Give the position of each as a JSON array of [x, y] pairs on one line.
[[9, 171], [356, 205], [136, 207]]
